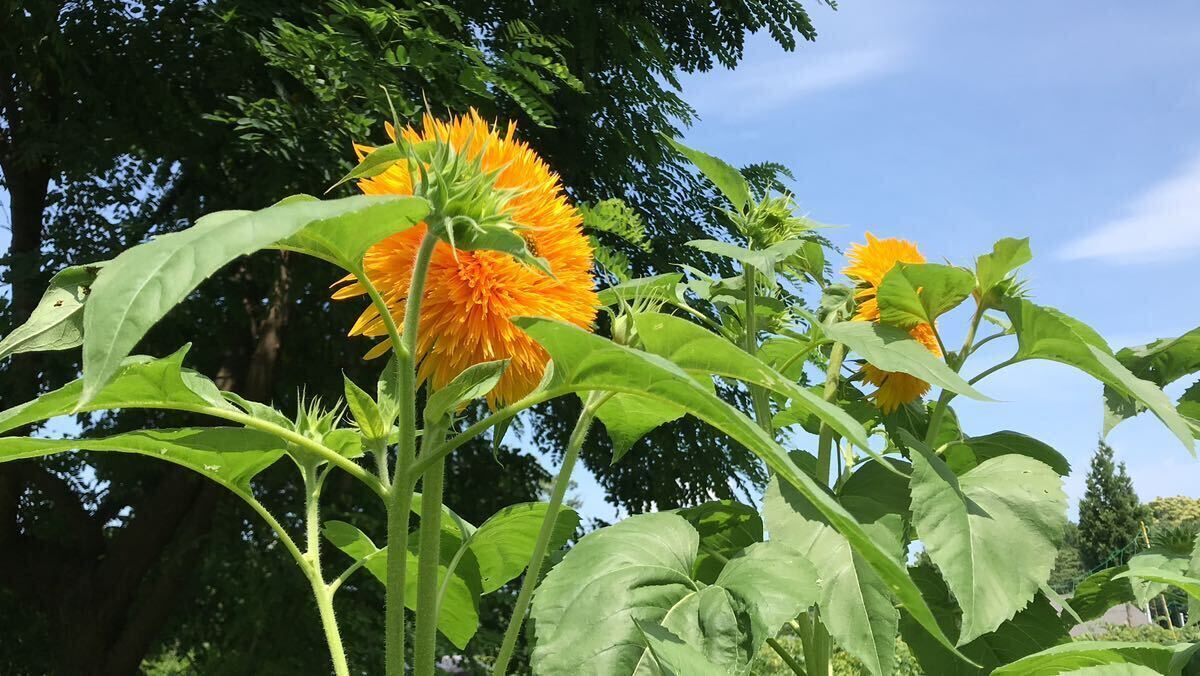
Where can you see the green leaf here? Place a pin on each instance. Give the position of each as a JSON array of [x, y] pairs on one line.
[[1100, 591], [1114, 670], [892, 349], [1154, 559], [993, 532], [919, 293], [585, 610], [629, 417], [1046, 333], [694, 348], [972, 451], [503, 544], [365, 411], [672, 655], [656, 288], [584, 361], [1063, 659], [991, 270], [138, 287], [344, 241], [762, 260], [230, 456], [1162, 362], [387, 392], [141, 382], [375, 163], [473, 383], [1189, 585], [1034, 628], [728, 180], [458, 613], [726, 528], [856, 604], [57, 321]]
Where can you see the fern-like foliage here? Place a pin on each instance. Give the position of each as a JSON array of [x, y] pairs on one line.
[[622, 228]]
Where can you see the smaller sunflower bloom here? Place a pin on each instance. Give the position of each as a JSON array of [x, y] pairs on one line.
[[471, 296], [869, 263]]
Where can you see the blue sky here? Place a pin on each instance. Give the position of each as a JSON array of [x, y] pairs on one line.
[[955, 124]]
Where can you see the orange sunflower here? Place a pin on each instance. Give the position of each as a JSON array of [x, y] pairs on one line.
[[470, 296], [868, 265]]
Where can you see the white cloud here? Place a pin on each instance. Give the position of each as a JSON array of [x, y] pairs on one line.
[[1163, 223]]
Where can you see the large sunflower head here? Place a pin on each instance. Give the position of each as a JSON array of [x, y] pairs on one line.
[[470, 296], [868, 264]]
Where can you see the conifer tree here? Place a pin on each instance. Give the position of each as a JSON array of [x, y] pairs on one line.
[[1110, 513]]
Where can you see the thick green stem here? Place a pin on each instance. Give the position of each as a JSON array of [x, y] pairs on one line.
[[425, 641], [314, 477], [401, 492], [954, 361], [582, 425], [825, 444], [758, 395]]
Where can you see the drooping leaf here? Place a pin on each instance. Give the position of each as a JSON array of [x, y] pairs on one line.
[[726, 528], [1063, 659], [673, 656], [993, 532], [57, 321], [628, 417], [975, 450], [694, 348], [585, 610], [856, 604], [765, 261], [141, 382], [230, 456], [1189, 585], [1155, 560], [458, 616], [992, 269], [892, 349], [503, 544], [584, 361], [1100, 591], [135, 289], [656, 288], [1162, 362], [1046, 333], [728, 180], [473, 383], [1036, 627], [919, 293]]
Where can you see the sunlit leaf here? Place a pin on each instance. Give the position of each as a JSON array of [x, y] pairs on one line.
[[629, 417], [658, 287], [726, 528], [1189, 585], [135, 289], [473, 383], [1161, 362], [57, 321], [1063, 659], [1155, 560], [994, 268], [673, 656], [1100, 591], [728, 180], [892, 349], [919, 293], [972, 451], [503, 544], [993, 532], [365, 410], [765, 261], [640, 569]]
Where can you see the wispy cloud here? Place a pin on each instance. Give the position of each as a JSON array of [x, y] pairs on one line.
[[1161, 224]]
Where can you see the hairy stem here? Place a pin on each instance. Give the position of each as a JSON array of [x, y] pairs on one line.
[[429, 557], [825, 444], [787, 658], [314, 477], [582, 425], [400, 494], [758, 395]]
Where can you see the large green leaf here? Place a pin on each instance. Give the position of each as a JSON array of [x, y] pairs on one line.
[[856, 605], [919, 293], [1100, 591], [765, 261], [57, 321], [993, 532], [726, 528], [1063, 659], [141, 382], [134, 290], [974, 450], [728, 180], [1036, 627], [458, 613], [1189, 585], [584, 361], [503, 544], [694, 348], [1153, 560], [991, 270], [657, 288], [892, 349], [639, 570], [1162, 362], [1046, 333], [673, 656], [230, 456]]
